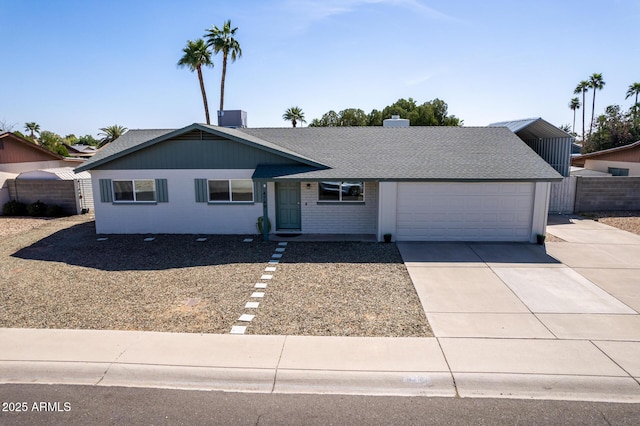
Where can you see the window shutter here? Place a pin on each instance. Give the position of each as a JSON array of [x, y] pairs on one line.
[[106, 195], [201, 191], [162, 193], [257, 191]]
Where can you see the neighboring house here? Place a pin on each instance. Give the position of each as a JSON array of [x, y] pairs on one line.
[[620, 161], [19, 155], [81, 151], [416, 183]]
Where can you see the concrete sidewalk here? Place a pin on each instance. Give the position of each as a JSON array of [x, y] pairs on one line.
[[510, 320]]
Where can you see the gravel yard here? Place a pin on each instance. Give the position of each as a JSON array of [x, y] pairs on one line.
[[625, 220], [55, 274]]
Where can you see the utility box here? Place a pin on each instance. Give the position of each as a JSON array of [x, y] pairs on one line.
[[234, 118]]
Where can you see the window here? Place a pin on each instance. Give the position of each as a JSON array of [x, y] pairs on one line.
[[231, 191], [134, 190], [341, 191], [615, 171]]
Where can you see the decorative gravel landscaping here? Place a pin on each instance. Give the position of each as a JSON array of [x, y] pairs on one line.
[[628, 220], [56, 274]]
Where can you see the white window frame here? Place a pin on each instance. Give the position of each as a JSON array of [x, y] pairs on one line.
[[340, 200], [230, 187], [133, 185]]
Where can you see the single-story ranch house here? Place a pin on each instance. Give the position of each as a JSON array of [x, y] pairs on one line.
[[416, 183]]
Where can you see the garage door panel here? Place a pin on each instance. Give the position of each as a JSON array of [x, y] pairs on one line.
[[464, 211]]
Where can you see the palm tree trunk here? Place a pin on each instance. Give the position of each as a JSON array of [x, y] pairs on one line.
[[573, 129], [593, 111], [583, 111], [204, 95], [224, 74]]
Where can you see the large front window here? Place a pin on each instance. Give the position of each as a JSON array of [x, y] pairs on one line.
[[341, 191], [142, 190], [231, 191]]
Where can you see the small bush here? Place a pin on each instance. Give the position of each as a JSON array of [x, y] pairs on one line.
[[37, 209], [54, 210], [14, 208]]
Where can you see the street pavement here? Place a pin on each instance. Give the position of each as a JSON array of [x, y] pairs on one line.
[[559, 321]]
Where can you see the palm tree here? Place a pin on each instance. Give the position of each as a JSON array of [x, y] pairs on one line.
[[596, 83], [196, 54], [582, 87], [294, 114], [574, 105], [111, 133], [221, 40], [634, 89], [32, 127]]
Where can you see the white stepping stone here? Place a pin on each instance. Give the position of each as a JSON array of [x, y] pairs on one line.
[[274, 262], [257, 294], [246, 317], [247, 240], [102, 239], [200, 240], [270, 269], [276, 256], [282, 244], [252, 305], [238, 329], [149, 239], [266, 277], [280, 249], [260, 285]]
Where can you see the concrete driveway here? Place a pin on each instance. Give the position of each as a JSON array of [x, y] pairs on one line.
[[564, 309]]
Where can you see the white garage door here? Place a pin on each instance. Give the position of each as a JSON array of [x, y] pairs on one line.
[[464, 211]]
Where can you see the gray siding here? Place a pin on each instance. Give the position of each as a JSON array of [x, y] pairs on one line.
[[344, 218], [190, 152]]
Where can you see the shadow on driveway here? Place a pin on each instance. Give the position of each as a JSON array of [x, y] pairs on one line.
[[461, 252]]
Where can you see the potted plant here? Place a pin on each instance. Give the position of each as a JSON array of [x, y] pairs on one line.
[[540, 238], [387, 238]]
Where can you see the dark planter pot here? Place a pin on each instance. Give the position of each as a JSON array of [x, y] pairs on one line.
[[387, 238], [540, 239]]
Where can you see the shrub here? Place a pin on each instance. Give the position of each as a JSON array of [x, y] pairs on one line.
[[14, 208], [37, 209], [54, 210]]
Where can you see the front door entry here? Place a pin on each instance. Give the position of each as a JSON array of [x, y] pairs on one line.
[[287, 205]]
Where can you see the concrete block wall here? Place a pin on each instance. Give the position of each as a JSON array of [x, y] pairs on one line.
[[60, 192], [608, 193], [339, 218]]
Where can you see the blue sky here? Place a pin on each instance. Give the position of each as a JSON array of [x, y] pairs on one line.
[[75, 66]]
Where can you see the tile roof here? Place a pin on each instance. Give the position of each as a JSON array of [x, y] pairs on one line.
[[373, 153]]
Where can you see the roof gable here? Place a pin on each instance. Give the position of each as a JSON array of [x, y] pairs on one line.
[[530, 128], [197, 141], [16, 149]]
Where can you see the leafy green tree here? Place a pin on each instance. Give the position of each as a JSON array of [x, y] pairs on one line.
[[596, 83], [634, 90], [111, 133], [582, 87], [374, 118], [614, 128], [70, 139], [88, 140], [53, 142], [352, 117], [222, 40], [195, 56], [574, 104], [32, 128], [329, 119], [294, 115]]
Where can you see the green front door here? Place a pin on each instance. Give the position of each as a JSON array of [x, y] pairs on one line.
[[287, 205]]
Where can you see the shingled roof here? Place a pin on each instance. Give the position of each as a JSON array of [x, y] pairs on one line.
[[372, 153]]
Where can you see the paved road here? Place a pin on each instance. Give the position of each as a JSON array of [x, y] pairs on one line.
[[114, 405]]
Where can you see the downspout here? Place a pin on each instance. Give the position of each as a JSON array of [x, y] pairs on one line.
[[265, 214]]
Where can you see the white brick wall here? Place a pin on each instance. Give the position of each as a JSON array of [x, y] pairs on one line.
[[346, 218]]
